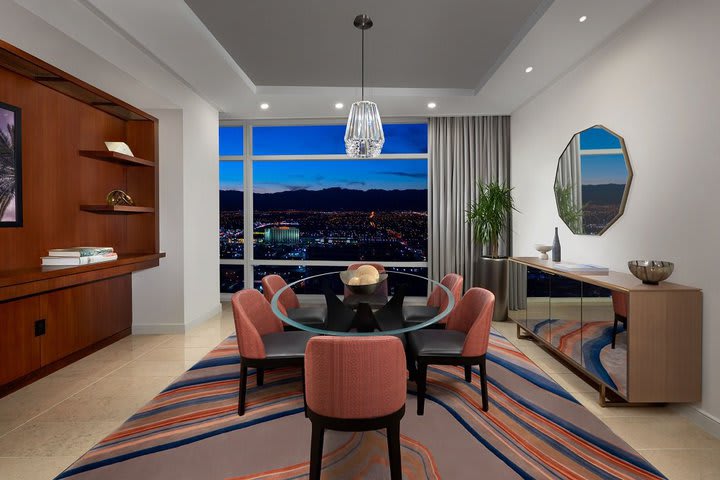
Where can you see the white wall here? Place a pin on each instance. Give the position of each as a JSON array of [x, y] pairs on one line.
[[655, 83], [158, 293]]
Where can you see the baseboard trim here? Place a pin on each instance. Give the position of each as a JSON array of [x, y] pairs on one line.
[[702, 419], [174, 328], [158, 329]]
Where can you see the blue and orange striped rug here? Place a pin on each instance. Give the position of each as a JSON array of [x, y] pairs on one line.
[[533, 430]]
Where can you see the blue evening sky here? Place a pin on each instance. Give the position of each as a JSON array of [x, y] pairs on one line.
[[602, 169], [319, 139], [278, 176], [597, 138]]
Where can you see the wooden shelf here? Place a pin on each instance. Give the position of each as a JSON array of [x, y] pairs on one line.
[[116, 157], [116, 209]]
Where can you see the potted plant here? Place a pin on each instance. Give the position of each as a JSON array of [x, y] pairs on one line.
[[489, 216]]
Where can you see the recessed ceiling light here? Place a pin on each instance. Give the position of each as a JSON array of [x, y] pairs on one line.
[[264, 106], [582, 19], [432, 105], [339, 105], [528, 69]]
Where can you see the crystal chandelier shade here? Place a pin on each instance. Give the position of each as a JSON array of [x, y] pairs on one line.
[[364, 137]]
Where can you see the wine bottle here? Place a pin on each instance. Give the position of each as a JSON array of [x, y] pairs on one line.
[[556, 247]]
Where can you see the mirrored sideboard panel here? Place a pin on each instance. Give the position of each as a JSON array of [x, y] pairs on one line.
[[604, 326]]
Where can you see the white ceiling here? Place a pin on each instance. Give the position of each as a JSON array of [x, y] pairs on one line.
[[171, 34]]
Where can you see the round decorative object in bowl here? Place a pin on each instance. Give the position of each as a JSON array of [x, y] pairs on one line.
[[364, 280], [651, 272], [543, 249]]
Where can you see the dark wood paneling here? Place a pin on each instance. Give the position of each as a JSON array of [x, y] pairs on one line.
[[80, 316], [19, 347]]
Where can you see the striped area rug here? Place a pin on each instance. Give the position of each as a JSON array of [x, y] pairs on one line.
[[533, 430]]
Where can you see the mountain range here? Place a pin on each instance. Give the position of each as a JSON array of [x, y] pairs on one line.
[[329, 199]]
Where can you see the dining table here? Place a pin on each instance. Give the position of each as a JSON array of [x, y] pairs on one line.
[[367, 313]]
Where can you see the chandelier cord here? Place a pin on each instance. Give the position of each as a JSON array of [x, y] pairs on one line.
[[362, 68]]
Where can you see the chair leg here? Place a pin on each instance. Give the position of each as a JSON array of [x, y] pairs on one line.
[[412, 368], [302, 379], [393, 439], [316, 451], [614, 333], [421, 387], [260, 376], [483, 385], [468, 373], [243, 388]]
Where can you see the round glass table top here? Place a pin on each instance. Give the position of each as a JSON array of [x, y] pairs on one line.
[[367, 313]]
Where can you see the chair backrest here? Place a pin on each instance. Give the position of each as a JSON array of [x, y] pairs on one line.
[[439, 299], [253, 319], [381, 290], [271, 284], [473, 315], [619, 300], [355, 377]]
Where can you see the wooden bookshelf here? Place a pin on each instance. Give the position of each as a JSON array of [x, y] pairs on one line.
[[116, 157], [89, 306], [116, 209]]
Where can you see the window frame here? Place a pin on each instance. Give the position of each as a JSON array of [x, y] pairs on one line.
[[248, 261]]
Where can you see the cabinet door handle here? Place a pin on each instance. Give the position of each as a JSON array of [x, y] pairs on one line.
[[40, 327]]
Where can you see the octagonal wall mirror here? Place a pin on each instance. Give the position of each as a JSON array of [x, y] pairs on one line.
[[592, 181]]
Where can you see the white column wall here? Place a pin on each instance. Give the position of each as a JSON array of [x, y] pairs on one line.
[[655, 83]]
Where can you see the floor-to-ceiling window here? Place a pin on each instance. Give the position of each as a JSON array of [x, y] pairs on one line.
[[293, 204]]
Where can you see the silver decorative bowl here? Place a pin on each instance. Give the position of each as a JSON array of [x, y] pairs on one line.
[[368, 289], [651, 272]]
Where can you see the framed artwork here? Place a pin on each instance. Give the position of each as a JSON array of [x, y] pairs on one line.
[[10, 167]]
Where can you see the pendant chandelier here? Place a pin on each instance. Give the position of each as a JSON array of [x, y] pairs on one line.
[[364, 137]]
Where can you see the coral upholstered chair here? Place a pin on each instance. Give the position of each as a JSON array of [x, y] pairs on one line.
[[290, 305], [464, 342], [261, 340], [620, 306], [437, 301], [355, 384]]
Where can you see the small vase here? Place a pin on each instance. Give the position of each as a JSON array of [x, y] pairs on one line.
[[556, 247]]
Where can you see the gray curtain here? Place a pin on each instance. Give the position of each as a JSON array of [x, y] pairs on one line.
[[463, 151]]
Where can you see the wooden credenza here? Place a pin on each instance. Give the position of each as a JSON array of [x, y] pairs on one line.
[[657, 357]]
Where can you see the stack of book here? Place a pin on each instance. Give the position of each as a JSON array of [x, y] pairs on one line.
[[79, 256]]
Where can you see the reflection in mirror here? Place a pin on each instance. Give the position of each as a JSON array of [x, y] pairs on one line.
[[599, 356], [592, 181], [566, 311], [538, 303]]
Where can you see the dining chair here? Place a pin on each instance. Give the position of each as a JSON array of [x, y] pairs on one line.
[[261, 340], [355, 384], [289, 304], [437, 302], [463, 342], [620, 307]]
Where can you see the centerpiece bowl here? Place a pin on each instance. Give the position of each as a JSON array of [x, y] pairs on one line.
[[651, 272], [361, 289]]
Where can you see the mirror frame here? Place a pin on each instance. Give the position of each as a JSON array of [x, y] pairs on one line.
[[626, 191]]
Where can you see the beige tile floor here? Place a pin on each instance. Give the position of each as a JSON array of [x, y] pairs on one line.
[[47, 425]]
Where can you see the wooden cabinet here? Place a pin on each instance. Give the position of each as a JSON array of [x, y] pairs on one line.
[[43, 329], [19, 346], [67, 174], [645, 347]]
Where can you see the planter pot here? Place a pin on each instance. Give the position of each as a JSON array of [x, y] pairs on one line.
[[492, 274]]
